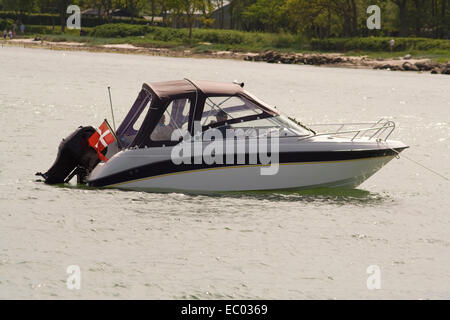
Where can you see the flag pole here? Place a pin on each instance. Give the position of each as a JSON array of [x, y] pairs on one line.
[[112, 111], [114, 134]]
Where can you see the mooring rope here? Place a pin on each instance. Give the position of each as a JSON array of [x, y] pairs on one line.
[[419, 164]]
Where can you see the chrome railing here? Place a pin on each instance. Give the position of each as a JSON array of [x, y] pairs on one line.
[[380, 130]]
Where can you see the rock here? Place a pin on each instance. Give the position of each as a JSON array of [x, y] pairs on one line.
[[389, 67], [268, 54], [407, 57], [424, 66], [316, 59], [407, 66], [287, 59], [446, 70], [434, 71], [383, 67], [396, 68], [299, 59], [273, 60], [271, 57]]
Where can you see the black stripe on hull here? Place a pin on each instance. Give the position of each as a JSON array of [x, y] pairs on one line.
[[167, 167]]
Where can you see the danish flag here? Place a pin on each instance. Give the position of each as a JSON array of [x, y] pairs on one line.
[[101, 139]]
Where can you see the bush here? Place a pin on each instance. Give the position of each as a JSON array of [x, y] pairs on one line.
[[219, 36], [285, 40], [6, 24], [225, 37], [118, 30], [168, 34], [378, 44], [50, 19], [42, 30]]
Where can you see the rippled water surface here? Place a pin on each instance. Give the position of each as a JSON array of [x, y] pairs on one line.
[[281, 245]]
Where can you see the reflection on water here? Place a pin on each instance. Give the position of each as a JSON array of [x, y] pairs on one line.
[[329, 195], [337, 196]]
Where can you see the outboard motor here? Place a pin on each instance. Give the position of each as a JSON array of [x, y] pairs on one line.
[[75, 157]]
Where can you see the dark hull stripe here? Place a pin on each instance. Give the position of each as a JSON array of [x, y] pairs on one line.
[[167, 167]]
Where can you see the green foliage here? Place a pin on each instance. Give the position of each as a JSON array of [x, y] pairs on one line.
[[119, 30], [37, 29], [224, 37], [49, 30], [6, 24], [306, 18], [264, 15], [220, 36], [269, 40], [54, 19]]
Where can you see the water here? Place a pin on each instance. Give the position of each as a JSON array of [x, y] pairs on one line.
[[300, 245]]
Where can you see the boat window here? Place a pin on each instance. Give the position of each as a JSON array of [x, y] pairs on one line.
[[134, 119], [218, 109], [140, 118], [175, 118]]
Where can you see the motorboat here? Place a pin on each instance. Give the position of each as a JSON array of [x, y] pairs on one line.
[[206, 136]]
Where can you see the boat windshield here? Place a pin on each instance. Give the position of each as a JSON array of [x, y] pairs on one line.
[[219, 109], [237, 112], [279, 125]]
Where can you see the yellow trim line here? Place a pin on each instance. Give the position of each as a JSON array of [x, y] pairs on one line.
[[241, 166]]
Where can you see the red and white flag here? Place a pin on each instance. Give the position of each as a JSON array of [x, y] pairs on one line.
[[101, 139]]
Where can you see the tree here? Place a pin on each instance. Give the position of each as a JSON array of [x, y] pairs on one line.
[[219, 6], [304, 15], [237, 7], [62, 5], [264, 15], [186, 10], [403, 16], [18, 6]]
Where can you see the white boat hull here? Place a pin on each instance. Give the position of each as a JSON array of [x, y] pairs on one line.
[[347, 173], [333, 163]]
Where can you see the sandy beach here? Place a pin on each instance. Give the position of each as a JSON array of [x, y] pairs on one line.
[[318, 59]]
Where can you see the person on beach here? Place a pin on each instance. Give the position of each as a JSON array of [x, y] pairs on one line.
[[5, 34], [391, 44], [10, 34]]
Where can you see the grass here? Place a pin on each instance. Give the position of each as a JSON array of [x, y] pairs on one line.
[[437, 55]]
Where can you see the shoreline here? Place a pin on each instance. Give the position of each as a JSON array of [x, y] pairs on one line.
[[317, 59]]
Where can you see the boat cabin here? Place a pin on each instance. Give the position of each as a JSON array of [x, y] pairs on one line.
[[164, 112]]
